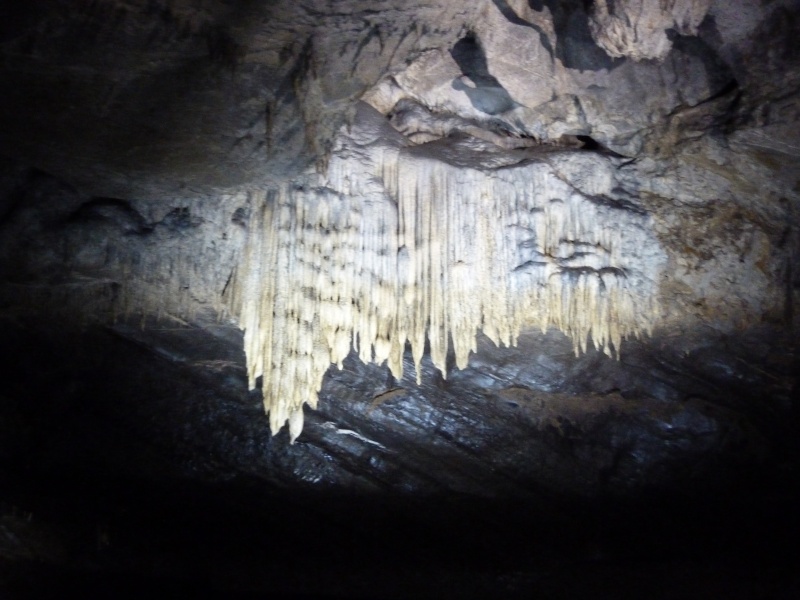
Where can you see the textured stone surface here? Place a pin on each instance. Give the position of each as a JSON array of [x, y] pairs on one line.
[[638, 29], [180, 98], [138, 453], [431, 245], [140, 140]]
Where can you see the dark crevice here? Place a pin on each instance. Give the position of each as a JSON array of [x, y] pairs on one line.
[[589, 143], [730, 88], [487, 95], [592, 145], [719, 75], [575, 47]]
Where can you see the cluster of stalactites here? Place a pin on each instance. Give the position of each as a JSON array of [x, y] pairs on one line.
[[417, 249]]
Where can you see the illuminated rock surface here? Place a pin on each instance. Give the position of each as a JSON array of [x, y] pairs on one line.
[[396, 246], [563, 236]]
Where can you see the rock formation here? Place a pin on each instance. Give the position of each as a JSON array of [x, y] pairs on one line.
[[395, 244], [536, 256], [638, 29]]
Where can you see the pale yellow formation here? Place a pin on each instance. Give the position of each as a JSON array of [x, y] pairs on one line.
[[413, 249]]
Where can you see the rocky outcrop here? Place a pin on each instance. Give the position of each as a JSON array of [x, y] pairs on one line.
[[638, 29]]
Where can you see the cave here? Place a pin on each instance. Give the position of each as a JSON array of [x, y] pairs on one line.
[[391, 299]]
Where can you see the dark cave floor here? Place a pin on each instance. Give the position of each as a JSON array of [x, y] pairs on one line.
[[128, 469], [229, 541]]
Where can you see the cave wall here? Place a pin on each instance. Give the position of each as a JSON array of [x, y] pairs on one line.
[[142, 144]]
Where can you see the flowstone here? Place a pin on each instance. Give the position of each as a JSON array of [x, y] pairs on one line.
[[398, 243]]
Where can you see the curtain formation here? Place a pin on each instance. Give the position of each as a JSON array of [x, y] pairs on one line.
[[393, 246]]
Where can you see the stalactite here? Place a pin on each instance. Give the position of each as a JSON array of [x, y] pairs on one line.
[[392, 245]]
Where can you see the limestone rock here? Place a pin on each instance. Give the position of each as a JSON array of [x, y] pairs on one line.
[[638, 28], [404, 245], [201, 219]]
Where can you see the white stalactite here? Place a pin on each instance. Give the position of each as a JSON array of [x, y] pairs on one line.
[[394, 245]]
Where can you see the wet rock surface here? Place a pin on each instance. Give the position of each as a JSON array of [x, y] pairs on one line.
[[136, 459]]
